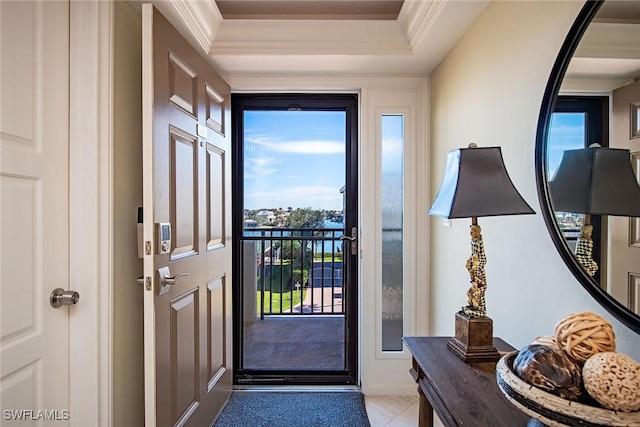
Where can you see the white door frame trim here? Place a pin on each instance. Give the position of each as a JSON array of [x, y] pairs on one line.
[[91, 202], [417, 286], [91, 211]]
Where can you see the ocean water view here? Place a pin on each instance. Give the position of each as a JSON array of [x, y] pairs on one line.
[[334, 229]]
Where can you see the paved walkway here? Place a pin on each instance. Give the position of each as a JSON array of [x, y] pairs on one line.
[[319, 300]]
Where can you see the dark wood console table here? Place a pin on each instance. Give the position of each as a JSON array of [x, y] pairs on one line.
[[461, 394]]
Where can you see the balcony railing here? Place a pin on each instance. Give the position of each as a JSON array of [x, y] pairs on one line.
[[290, 271]]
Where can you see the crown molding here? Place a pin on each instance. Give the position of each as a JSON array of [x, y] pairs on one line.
[[283, 82], [610, 40], [417, 18], [414, 44], [308, 48], [592, 84], [311, 37], [197, 21]]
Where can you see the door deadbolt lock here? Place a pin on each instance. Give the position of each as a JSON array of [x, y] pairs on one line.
[[60, 297]]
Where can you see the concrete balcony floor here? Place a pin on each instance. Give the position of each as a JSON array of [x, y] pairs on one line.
[[295, 342]]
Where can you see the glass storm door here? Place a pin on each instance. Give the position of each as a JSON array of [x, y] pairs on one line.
[[576, 123], [295, 239]]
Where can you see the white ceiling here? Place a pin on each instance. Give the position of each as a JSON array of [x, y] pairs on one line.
[[608, 55], [379, 37], [306, 37]]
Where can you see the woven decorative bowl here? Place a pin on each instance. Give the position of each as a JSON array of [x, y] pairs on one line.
[[552, 410]]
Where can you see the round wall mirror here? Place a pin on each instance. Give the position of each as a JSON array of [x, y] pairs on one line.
[[593, 96]]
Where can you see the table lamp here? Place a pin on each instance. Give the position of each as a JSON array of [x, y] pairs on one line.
[[476, 184], [594, 181]]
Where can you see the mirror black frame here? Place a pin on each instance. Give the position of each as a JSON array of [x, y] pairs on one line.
[[619, 311]]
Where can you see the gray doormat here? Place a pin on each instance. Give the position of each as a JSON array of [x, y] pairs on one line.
[[276, 409]]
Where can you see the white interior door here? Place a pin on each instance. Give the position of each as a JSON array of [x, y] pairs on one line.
[[187, 260], [34, 244]]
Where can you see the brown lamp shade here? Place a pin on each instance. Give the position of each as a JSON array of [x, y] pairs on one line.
[[476, 184], [596, 181]]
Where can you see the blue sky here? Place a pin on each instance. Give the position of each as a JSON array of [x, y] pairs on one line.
[[566, 132], [297, 158], [294, 159]]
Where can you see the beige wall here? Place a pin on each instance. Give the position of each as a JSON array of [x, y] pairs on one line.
[[128, 379], [488, 90]]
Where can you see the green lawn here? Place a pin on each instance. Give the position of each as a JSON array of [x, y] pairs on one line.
[[328, 258], [278, 300]]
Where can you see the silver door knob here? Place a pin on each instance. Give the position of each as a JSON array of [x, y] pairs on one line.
[[60, 297]]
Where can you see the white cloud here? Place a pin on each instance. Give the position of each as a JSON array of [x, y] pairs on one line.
[[262, 166], [315, 196], [308, 146]]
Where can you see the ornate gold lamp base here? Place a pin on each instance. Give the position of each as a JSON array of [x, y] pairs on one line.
[[474, 339]]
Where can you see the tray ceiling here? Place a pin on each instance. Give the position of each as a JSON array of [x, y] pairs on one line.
[[323, 37], [316, 9]]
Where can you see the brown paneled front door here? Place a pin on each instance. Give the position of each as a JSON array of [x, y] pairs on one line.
[[187, 253]]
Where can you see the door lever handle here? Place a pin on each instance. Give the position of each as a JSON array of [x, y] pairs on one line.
[[168, 281], [353, 239]]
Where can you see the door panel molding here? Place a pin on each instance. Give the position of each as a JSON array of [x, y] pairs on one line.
[[184, 193], [184, 352], [215, 110], [634, 292], [216, 354], [634, 223], [25, 229], [186, 326], [183, 85], [215, 164]]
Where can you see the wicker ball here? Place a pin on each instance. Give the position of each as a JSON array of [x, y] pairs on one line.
[[547, 340], [581, 335], [613, 380]]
